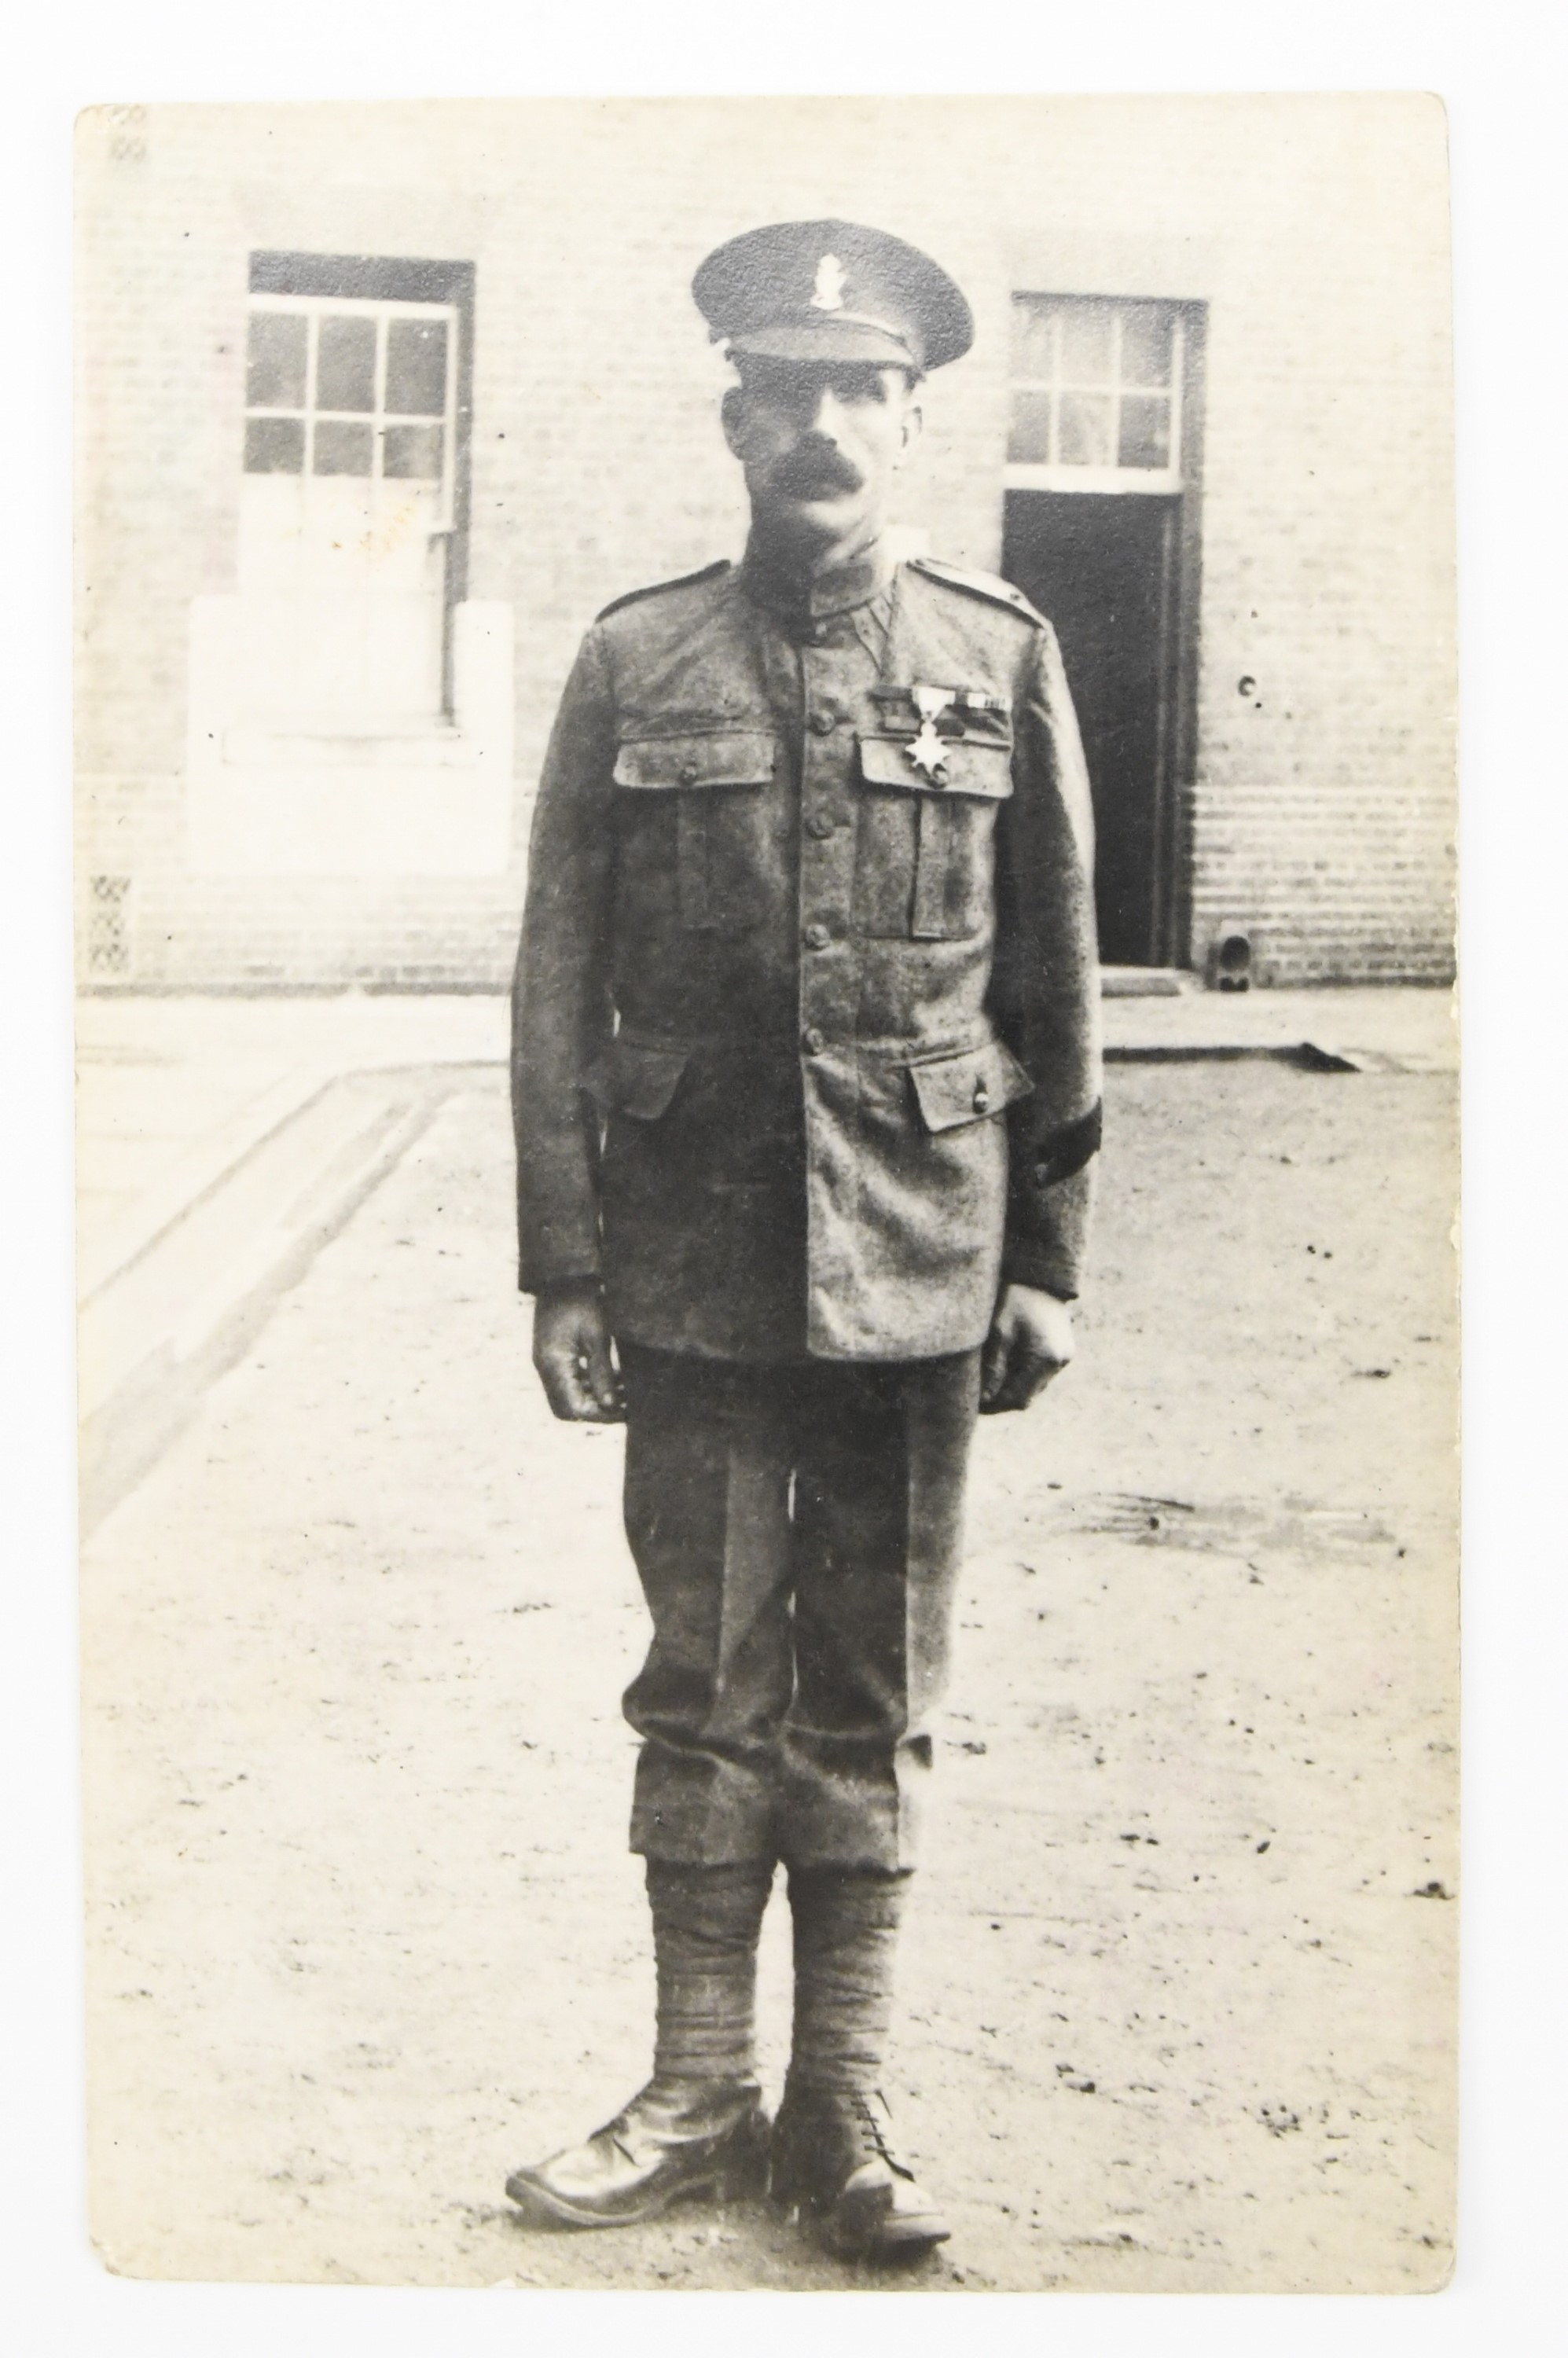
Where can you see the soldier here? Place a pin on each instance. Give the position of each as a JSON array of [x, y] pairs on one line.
[[806, 1075]]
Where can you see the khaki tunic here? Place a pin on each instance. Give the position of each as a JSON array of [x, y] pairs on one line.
[[806, 1055]]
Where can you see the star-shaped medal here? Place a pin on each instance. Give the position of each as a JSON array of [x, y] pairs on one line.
[[925, 751]]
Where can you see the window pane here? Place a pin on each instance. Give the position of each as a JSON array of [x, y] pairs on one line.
[[416, 368], [412, 453], [345, 371], [1086, 344], [274, 369], [1086, 429], [1145, 438], [1032, 342], [275, 446], [342, 449], [1029, 444], [1145, 344]]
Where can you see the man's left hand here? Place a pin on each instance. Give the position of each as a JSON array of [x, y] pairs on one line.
[[1030, 1341]]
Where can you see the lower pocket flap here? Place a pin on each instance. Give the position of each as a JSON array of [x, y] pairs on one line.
[[966, 767], [972, 1087], [637, 1080]]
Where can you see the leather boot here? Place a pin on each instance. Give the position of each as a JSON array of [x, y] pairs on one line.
[[676, 2139], [830, 2162]]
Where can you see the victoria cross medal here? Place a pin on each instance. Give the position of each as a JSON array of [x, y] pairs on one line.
[[925, 750]]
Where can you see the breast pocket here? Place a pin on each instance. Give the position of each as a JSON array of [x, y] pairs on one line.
[[709, 791], [925, 864]]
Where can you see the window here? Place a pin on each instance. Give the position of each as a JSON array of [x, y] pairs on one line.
[[367, 389], [1097, 393]]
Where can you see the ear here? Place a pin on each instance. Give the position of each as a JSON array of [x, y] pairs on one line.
[[913, 419], [733, 414]]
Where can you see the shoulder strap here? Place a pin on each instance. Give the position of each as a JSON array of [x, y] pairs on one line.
[[656, 589], [977, 585]]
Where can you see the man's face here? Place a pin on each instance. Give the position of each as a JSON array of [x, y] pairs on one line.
[[819, 444]]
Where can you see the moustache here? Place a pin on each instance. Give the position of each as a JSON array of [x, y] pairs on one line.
[[808, 474]]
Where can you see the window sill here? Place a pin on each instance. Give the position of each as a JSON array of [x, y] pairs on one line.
[[1018, 477], [423, 745]]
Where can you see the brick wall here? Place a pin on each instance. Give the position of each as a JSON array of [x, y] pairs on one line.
[[1313, 229]]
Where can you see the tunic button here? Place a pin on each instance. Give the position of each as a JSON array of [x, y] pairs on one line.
[[814, 1042], [821, 825], [817, 938], [823, 723], [688, 774], [982, 1098]]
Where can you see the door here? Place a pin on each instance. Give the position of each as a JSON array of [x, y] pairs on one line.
[[346, 510], [1100, 567], [1098, 517]]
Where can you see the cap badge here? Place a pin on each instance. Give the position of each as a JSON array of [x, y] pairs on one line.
[[925, 751], [827, 295]]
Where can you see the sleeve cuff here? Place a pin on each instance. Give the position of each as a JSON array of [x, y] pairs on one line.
[[1043, 1266], [1047, 1238], [541, 1272]]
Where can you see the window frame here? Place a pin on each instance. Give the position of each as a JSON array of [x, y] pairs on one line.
[[1066, 475], [314, 308]]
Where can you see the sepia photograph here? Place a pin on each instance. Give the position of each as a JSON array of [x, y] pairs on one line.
[[767, 1162]]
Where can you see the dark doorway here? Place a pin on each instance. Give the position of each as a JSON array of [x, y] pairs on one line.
[[1103, 567]]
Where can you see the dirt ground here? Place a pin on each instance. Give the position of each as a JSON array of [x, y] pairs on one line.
[[1177, 1997]]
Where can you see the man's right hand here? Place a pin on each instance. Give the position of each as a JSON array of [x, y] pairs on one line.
[[572, 1354]]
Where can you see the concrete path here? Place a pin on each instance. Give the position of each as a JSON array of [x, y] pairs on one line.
[[219, 1142], [173, 1092]]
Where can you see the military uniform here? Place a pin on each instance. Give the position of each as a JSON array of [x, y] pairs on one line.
[[807, 1078], [806, 1068]]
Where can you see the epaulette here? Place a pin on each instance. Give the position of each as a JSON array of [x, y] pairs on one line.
[[978, 585], [655, 588]]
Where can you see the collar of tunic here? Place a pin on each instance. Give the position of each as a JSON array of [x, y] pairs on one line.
[[795, 600]]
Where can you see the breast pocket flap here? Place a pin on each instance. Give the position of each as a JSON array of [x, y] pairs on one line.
[[952, 1090], [636, 1079], [736, 757], [967, 767]]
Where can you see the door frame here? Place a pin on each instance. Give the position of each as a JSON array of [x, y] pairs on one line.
[[1176, 761]]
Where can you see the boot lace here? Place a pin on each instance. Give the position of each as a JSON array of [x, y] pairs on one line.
[[868, 2115]]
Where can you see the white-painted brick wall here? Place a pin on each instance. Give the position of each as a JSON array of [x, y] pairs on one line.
[[1314, 229]]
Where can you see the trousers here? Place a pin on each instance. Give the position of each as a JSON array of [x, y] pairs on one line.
[[797, 1531]]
